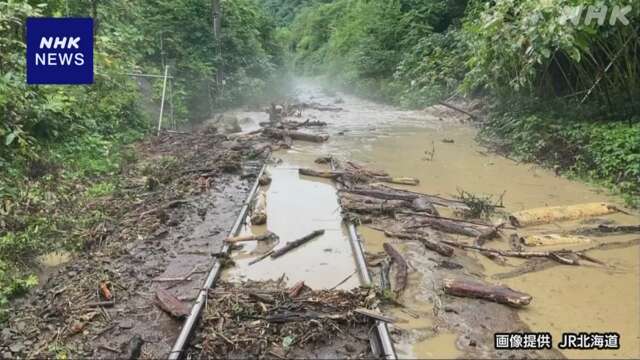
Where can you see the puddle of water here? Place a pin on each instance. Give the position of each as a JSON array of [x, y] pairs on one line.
[[297, 206], [441, 346]]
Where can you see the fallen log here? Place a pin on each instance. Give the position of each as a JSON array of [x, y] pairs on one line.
[[364, 205], [453, 107], [547, 215], [295, 135], [367, 171], [170, 304], [398, 180], [495, 293], [320, 173], [566, 257], [261, 257], [306, 123], [259, 215], [263, 237], [381, 194], [375, 315], [609, 229], [296, 289], [552, 239], [428, 243], [455, 226], [434, 199], [401, 268], [294, 244]]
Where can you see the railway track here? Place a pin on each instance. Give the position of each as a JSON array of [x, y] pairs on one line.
[[380, 340]]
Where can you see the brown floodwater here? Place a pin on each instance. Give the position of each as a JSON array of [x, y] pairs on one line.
[[585, 298]]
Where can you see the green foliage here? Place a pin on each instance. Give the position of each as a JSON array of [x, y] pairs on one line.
[[405, 51], [61, 147], [517, 53], [608, 152], [286, 10], [525, 47]]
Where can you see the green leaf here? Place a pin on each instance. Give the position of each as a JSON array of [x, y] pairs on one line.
[[9, 138]]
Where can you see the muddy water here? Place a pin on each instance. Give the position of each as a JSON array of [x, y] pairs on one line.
[[410, 143], [296, 206]]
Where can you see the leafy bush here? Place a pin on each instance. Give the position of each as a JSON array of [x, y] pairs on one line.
[[608, 152]]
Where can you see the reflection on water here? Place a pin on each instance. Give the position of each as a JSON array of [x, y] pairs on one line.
[[296, 206]]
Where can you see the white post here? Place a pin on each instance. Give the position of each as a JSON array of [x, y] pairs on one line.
[[164, 89]]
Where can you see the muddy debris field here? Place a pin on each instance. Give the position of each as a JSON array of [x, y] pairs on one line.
[[439, 263]]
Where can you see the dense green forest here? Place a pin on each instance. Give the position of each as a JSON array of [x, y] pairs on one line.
[[560, 91], [60, 146], [557, 92]]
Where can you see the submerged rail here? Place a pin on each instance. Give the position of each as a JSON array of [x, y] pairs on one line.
[[196, 310], [382, 344]]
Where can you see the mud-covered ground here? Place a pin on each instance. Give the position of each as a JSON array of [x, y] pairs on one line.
[[177, 203]]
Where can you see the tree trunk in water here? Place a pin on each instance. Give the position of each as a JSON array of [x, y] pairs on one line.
[[495, 293]]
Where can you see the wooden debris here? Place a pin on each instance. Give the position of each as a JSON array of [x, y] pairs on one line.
[[268, 236], [453, 107], [295, 135], [104, 291], [398, 180], [259, 215], [495, 293], [560, 213], [351, 166], [261, 257], [186, 277], [552, 239], [441, 249], [457, 226], [401, 268], [375, 315], [434, 199], [609, 229], [320, 173], [170, 304], [296, 243], [343, 280], [296, 289], [566, 257]]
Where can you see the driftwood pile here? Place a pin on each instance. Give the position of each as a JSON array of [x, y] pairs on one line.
[[266, 319], [408, 215]]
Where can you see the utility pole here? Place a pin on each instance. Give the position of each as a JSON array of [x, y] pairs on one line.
[[217, 35]]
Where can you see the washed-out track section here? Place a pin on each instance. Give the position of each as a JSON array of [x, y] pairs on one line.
[[380, 340]]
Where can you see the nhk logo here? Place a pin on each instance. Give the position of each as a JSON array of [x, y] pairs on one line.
[[59, 51]]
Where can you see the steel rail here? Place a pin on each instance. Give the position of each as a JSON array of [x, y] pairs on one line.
[[196, 310], [384, 345]]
